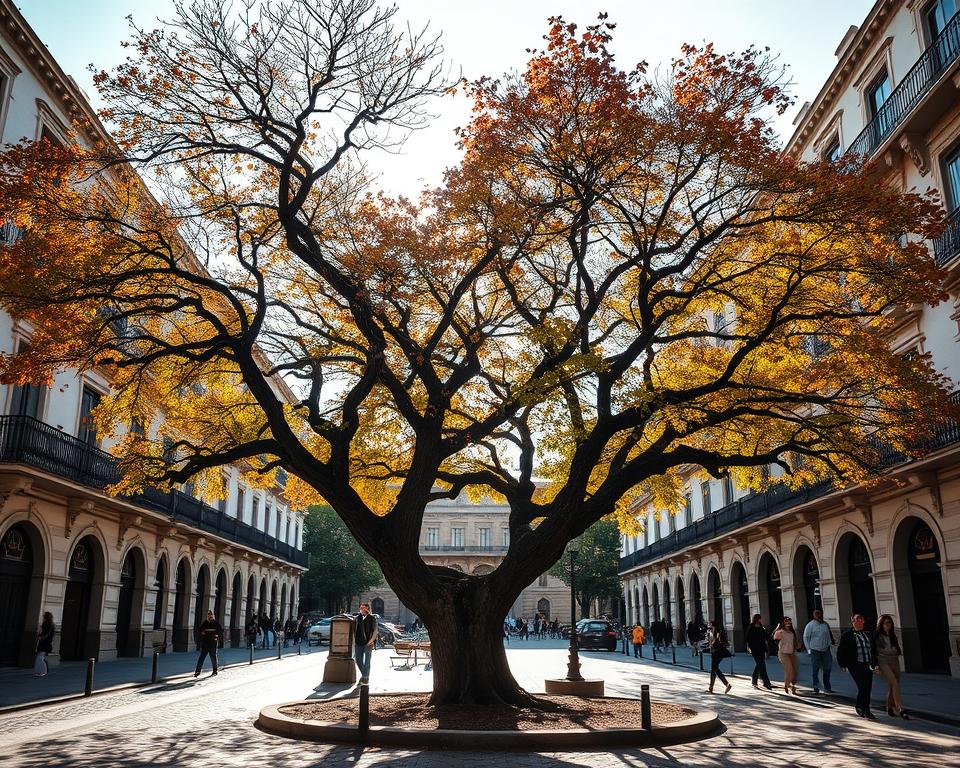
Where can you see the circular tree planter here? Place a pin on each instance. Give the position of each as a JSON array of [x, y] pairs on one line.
[[480, 728]]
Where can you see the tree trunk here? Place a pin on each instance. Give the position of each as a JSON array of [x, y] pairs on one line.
[[467, 648]]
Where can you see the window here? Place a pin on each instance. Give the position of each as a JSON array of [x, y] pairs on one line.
[[877, 95], [688, 508], [26, 397], [951, 177], [296, 535], [671, 522], [727, 490], [936, 16], [832, 153], [89, 400], [276, 531], [506, 537], [433, 538], [705, 497], [286, 538], [485, 538], [241, 502], [456, 538], [542, 581], [256, 513]]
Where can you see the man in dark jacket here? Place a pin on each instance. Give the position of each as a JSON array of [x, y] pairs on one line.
[[364, 638], [857, 654], [757, 638], [210, 633]]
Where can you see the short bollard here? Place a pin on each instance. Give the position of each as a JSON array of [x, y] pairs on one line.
[[154, 670], [251, 653], [645, 719], [279, 651], [700, 656], [731, 665], [298, 650], [88, 688], [364, 725], [674, 649], [654, 653]]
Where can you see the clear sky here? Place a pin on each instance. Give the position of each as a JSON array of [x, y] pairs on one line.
[[490, 36]]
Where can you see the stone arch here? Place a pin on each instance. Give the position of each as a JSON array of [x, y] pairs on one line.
[[182, 593], [273, 601], [377, 606], [236, 610], [681, 595], [252, 597], [740, 597], [202, 595], [86, 571], [714, 595], [131, 601], [696, 597], [220, 597], [161, 578], [283, 601], [917, 553], [23, 558], [807, 596], [646, 607], [543, 607], [853, 569], [483, 569], [769, 588], [655, 592]]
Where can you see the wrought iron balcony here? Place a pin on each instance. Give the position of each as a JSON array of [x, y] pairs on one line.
[[447, 548], [27, 440], [916, 84], [947, 246], [777, 499]]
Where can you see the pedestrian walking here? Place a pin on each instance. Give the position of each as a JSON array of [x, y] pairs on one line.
[[719, 650], [888, 660], [757, 637], [251, 630], [365, 637], [210, 633], [788, 645], [667, 634], [44, 645], [637, 639], [817, 639], [695, 634], [857, 654]]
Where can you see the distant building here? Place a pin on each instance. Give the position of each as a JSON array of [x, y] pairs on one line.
[[472, 538], [122, 576], [894, 96]]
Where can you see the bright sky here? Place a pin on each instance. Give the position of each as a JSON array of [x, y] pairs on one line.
[[490, 37]]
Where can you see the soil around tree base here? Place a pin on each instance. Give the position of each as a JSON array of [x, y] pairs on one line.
[[409, 720]]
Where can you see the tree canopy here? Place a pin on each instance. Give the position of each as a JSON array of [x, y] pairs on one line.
[[339, 569], [621, 279], [596, 565]]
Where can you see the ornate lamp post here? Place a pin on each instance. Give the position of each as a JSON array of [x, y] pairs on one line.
[[573, 665]]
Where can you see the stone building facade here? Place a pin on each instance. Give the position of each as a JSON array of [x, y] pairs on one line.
[[472, 538], [893, 97], [121, 576]]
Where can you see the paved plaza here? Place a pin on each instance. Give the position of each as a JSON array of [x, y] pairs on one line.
[[209, 721]]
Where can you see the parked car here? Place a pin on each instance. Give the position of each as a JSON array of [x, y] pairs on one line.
[[597, 633], [319, 632]]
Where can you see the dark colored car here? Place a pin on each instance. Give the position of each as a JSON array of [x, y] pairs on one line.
[[597, 633]]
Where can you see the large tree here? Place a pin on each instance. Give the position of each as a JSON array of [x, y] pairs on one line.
[[619, 280], [339, 569]]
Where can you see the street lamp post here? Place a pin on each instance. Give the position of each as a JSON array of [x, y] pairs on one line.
[[573, 665]]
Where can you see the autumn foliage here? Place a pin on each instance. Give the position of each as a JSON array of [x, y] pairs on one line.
[[624, 277]]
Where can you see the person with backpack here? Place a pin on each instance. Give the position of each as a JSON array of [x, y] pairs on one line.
[[719, 647]]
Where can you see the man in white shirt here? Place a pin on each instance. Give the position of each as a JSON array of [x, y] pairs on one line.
[[817, 638]]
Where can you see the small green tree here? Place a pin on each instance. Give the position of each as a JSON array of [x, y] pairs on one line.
[[339, 568], [597, 565]]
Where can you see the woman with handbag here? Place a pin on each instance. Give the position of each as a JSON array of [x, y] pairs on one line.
[[888, 661], [44, 645], [788, 645], [719, 650]]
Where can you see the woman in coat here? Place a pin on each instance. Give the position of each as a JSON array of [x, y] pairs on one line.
[[757, 637], [788, 645], [718, 644], [44, 645], [888, 659]]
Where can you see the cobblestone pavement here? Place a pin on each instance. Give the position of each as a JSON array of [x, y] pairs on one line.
[[210, 722]]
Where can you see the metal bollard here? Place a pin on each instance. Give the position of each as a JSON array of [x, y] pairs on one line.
[[279, 651], [88, 688], [251, 653], [364, 724], [153, 671], [645, 719], [654, 652], [700, 656], [731, 666], [298, 649], [673, 648]]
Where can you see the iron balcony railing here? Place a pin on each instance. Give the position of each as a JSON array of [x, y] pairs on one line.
[[469, 550], [931, 65], [947, 246], [26, 440], [777, 499]]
